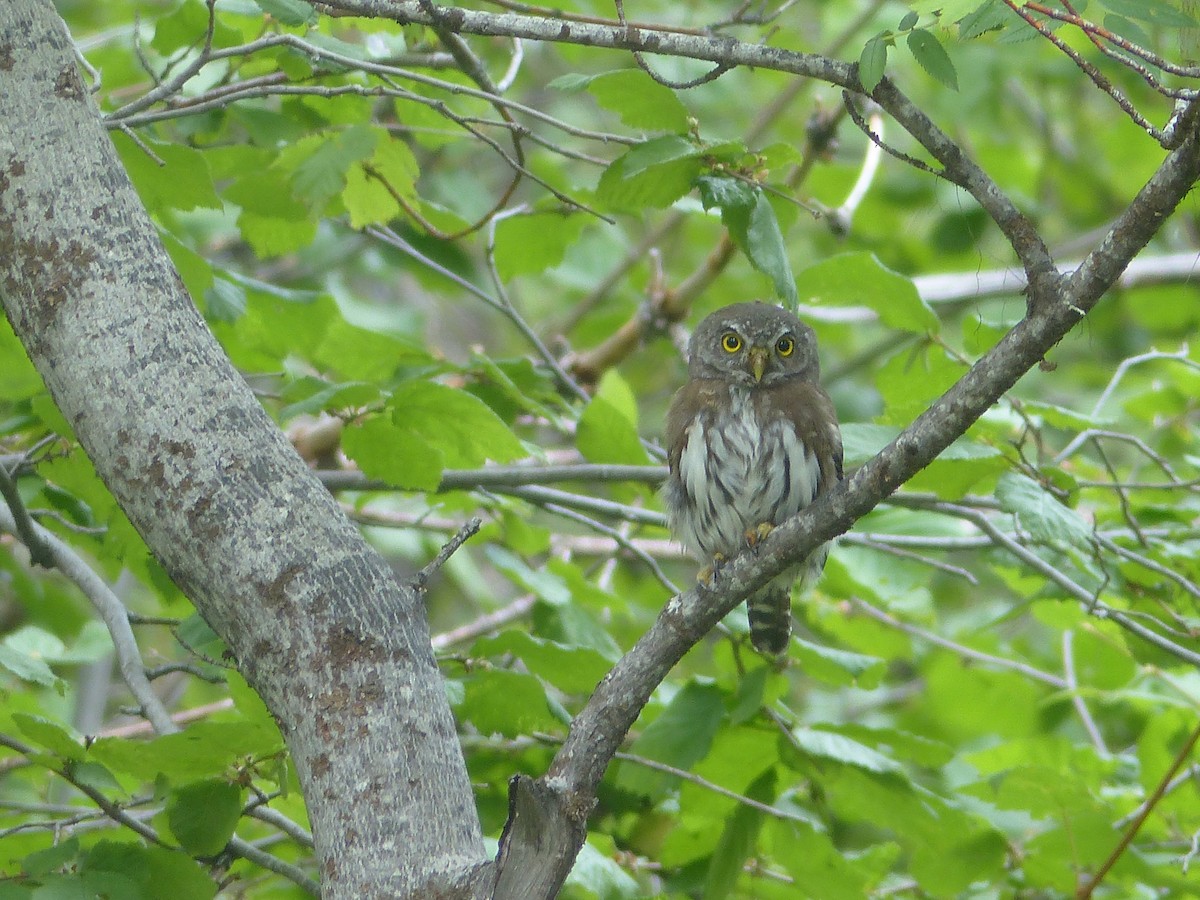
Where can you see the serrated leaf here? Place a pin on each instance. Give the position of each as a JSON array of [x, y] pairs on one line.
[[860, 279], [372, 186], [912, 379], [872, 62], [178, 178], [458, 424], [312, 395], [202, 749], [1040, 514], [575, 670], [203, 815], [910, 19], [1061, 417], [679, 737], [224, 301], [752, 225], [384, 450], [838, 748], [738, 838], [1157, 12], [29, 666], [51, 735], [317, 165], [507, 703], [932, 56], [607, 430], [289, 12], [534, 243], [639, 100], [990, 16], [836, 666], [654, 174]]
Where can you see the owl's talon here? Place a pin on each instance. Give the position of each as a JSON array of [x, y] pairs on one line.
[[708, 574], [758, 534]]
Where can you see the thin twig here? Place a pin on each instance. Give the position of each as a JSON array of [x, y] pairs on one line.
[[1087, 889], [420, 580], [1085, 714], [999, 662]]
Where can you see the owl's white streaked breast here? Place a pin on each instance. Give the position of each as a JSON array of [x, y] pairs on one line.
[[736, 475]]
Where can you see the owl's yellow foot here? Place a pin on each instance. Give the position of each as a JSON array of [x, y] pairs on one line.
[[758, 533], [708, 574]]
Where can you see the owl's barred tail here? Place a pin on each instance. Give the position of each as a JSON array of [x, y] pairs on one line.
[[770, 613]]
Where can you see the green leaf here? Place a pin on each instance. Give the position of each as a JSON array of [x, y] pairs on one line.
[[458, 424], [860, 279], [834, 666], [639, 100], [161, 874], [52, 858], [573, 670], [202, 749], [654, 174], [178, 179], [738, 839], [607, 431], [932, 56], [392, 453], [959, 467], [95, 776], [373, 186], [317, 166], [224, 301], [872, 62], [26, 666], [1061, 417], [910, 19], [599, 874], [990, 16], [507, 703], [533, 243], [679, 737], [289, 12], [1045, 519], [764, 246], [49, 734], [912, 379], [829, 745], [203, 815], [312, 395], [1157, 12], [751, 221]]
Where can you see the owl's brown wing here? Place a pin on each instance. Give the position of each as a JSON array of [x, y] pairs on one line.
[[813, 415], [689, 401]]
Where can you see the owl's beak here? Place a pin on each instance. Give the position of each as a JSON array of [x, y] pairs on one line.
[[758, 362]]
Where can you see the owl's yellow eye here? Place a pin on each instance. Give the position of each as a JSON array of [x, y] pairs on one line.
[[731, 342], [784, 346]]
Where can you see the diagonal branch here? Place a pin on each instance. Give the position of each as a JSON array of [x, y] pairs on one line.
[[566, 794]]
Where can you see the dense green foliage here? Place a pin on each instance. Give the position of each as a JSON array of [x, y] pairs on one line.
[[459, 280]]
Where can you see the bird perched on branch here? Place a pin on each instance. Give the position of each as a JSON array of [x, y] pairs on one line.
[[752, 439]]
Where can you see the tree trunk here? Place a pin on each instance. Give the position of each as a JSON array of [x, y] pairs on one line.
[[339, 651]]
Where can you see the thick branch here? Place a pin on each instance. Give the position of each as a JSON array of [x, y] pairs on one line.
[[339, 651], [599, 729]]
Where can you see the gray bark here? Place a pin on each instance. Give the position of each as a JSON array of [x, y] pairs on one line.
[[339, 651]]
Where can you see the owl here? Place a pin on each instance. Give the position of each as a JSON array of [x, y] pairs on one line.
[[752, 439]]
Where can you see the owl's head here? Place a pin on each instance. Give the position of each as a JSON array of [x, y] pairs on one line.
[[753, 344]]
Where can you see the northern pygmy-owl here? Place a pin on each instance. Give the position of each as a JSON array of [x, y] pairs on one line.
[[752, 439]]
